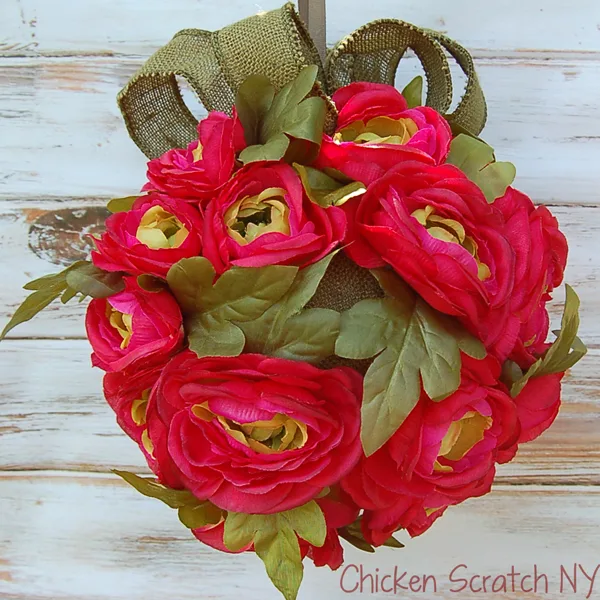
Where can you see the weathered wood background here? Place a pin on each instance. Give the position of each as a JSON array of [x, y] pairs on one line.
[[69, 529]]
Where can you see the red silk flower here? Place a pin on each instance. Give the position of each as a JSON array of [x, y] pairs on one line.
[[196, 173], [376, 130], [264, 217], [540, 259], [151, 237], [435, 228], [128, 394], [254, 434], [444, 453], [134, 330]]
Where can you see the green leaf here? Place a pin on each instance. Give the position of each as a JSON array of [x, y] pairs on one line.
[[280, 553], [366, 327], [391, 391], [305, 121], [288, 127], [308, 522], [274, 149], [284, 331], [413, 92], [457, 129], [288, 98], [316, 183], [276, 542], [31, 306], [566, 350], [192, 512], [476, 159], [353, 534], [188, 280], [240, 294], [67, 295], [392, 542], [151, 488], [325, 190], [468, 344], [357, 541], [117, 205], [309, 336], [209, 336], [495, 179], [46, 289], [243, 294], [200, 515], [416, 348], [89, 280], [55, 279], [253, 100]]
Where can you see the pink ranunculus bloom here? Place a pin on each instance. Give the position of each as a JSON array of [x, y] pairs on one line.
[[264, 217], [444, 453], [538, 405], [128, 393], [541, 257], [151, 237], [435, 228], [196, 173], [376, 131], [254, 434], [134, 329]]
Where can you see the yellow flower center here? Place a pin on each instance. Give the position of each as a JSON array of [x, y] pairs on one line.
[[139, 409], [147, 443], [122, 322], [379, 130], [254, 216], [449, 230], [197, 152], [160, 229], [461, 437], [265, 437], [430, 511]]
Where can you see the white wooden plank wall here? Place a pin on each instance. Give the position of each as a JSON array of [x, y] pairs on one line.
[[68, 529]]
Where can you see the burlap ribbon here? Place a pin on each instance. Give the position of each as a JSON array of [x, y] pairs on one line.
[[277, 44]]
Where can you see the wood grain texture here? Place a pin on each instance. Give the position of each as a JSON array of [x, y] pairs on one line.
[[56, 418], [133, 27], [40, 236], [94, 537], [63, 135]]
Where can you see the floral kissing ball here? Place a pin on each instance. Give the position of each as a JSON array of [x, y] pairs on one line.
[[320, 335]]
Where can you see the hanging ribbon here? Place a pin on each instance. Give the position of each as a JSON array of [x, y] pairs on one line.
[[277, 45]]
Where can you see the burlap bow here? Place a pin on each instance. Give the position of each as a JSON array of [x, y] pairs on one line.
[[277, 44]]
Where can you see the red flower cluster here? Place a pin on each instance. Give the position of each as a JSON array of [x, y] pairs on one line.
[[259, 434]]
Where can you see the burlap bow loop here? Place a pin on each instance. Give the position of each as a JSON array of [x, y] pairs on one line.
[[277, 44]]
